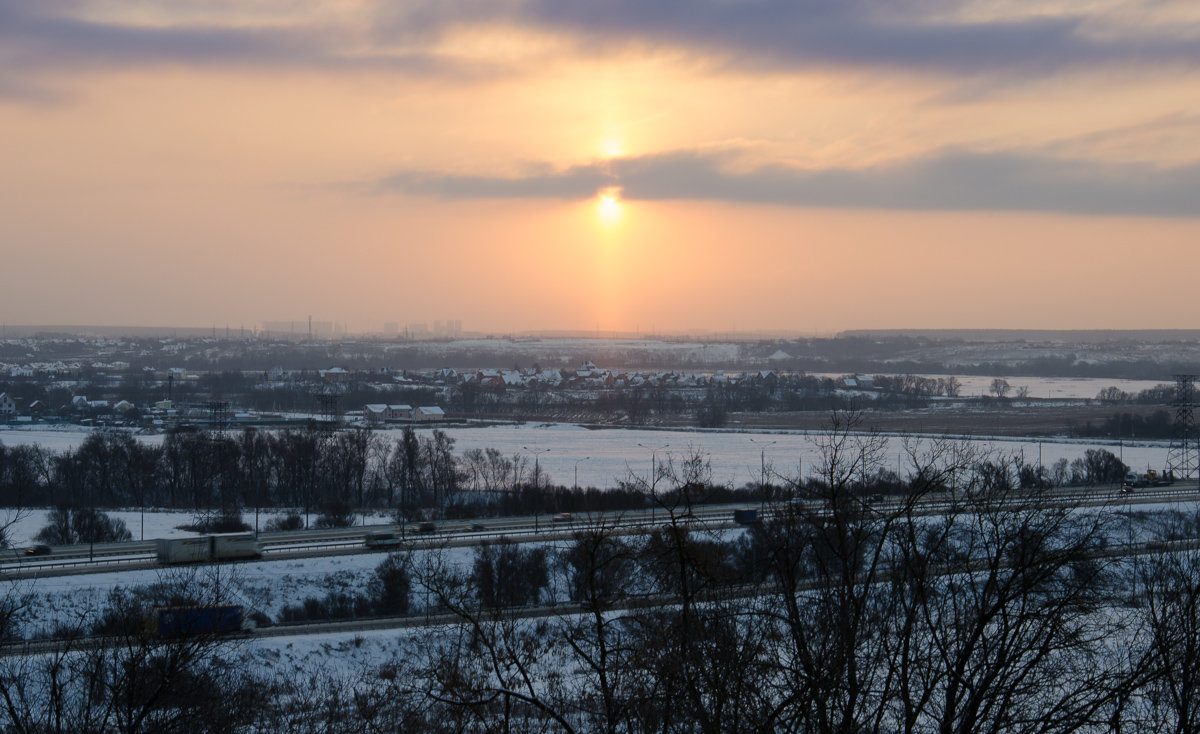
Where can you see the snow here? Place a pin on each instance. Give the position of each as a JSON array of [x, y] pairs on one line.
[[26, 523], [607, 456], [1041, 388], [266, 587], [615, 454]]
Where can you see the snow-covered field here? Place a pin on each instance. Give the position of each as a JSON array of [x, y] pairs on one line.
[[1042, 388], [605, 457], [262, 587]]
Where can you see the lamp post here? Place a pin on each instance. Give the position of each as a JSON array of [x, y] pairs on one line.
[[577, 463], [762, 480], [536, 482], [762, 471], [653, 471]]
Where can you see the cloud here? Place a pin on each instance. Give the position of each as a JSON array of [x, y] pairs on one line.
[[926, 36], [541, 182], [45, 42], [947, 180], [915, 35]]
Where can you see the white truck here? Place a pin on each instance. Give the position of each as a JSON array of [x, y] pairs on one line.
[[222, 547]]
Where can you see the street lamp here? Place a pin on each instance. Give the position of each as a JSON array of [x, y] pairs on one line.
[[536, 482], [762, 482], [577, 462], [653, 471], [762, 477]]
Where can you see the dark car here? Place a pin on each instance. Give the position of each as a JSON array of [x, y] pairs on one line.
[[38, 550]]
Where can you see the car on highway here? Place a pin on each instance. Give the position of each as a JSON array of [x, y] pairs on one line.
[[38, 550], [424, 527], [563, 517]]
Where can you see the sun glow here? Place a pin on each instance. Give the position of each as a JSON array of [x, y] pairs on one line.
[[612, 148], [609, 209]]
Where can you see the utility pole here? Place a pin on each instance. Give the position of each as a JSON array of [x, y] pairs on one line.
[[536, 483], [762, 471], [653, 473]]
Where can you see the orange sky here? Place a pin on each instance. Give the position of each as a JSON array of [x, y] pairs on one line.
[[805, 167]]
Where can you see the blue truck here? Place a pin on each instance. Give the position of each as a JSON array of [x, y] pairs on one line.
[[745, 516], [187, 621]]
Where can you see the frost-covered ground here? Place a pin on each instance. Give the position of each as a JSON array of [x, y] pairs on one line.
[[25, 524], [735, 457], [1042, 388], [269, 587], [262, 587]]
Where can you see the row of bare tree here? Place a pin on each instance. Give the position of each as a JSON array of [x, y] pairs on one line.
[[959, 606]]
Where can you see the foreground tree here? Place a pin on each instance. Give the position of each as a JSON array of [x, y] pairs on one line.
[[137, 681]]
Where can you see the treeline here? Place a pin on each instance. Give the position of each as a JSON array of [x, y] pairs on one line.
[[919, 386], [1004, 613], [199, 469], [336, 473]]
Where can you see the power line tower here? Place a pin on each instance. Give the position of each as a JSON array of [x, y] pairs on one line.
[[219, 414], [330, 415], [1183, 458]]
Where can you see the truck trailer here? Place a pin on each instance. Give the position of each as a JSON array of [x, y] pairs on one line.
[[745, 516], [230, 546]]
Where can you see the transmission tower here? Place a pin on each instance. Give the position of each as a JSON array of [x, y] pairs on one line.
[[219, 414], [1182, 459], [328, 401]]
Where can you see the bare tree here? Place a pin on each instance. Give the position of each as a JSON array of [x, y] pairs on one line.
[[1171, 584], [135, 680], [1002, 604]]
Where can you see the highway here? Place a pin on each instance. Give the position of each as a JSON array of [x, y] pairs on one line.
[[442, 617], [131, 555], [106, 557]]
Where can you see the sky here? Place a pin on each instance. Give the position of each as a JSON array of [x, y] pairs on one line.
[[802, 166]]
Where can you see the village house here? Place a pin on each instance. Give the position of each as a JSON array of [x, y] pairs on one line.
[[335, 375], [428, 414]]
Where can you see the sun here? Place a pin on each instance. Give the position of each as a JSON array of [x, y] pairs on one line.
[[609, 209]]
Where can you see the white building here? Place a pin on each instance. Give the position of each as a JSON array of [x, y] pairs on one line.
[[428, 413]]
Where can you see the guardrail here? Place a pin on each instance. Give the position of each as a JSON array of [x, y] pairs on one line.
[[301, 543]]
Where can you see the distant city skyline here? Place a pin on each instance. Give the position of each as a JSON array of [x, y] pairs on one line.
[[617, 167]]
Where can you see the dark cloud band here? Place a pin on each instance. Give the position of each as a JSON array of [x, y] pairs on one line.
[[946, 181], [927, 36]]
